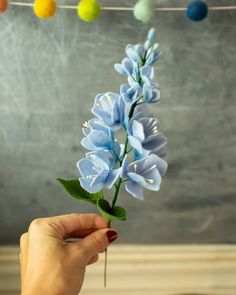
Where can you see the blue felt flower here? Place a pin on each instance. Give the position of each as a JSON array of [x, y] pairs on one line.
[[109, 107], [125, 68], [145, 137], [99, 137], [130, 94], [152, 35], [98, 171], [146, 74], [135, 52], [152, 56], [144, 173], [151, 92]]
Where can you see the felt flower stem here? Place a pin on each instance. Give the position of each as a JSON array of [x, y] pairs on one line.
[[117, 188]]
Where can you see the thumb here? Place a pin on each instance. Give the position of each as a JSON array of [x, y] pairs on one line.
[[96, 243]]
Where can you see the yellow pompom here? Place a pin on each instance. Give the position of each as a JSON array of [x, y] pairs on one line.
[[3, 5], [88, 10], [44, 8]]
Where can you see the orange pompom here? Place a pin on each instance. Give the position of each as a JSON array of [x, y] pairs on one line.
[[44, 8], [3, 5]]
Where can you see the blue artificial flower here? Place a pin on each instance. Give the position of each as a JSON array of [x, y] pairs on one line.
[[135, 52], [97, 171], [146, 74], [145, 137], [130, 94], [144, 173], [152, 35], [152, 56], [109, 107], [150, 39], [151, 92], [125, 68], [99, 137]]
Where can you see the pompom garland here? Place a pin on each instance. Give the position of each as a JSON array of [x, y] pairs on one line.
[[89, 10]]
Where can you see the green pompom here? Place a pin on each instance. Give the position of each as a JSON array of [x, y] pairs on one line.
[[144, 10]]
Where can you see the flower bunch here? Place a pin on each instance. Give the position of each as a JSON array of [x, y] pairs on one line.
[[138, 162]]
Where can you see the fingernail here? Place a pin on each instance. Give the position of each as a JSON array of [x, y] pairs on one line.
[[111, 235]]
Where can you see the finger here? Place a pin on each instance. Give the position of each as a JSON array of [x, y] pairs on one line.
[[23, 252], [93, 259], [63, 225], [93, 244], [81, 233], [23, 242]]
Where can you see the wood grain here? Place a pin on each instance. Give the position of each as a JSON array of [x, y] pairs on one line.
[[132, 269]]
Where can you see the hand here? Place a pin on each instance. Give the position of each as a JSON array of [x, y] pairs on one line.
[[52, 265]]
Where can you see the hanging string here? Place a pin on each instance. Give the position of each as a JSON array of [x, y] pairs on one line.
[[128, 8]]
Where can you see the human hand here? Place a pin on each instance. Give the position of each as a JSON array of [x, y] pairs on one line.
[[52, 265]]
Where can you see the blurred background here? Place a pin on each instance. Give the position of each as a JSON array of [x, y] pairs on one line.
[[50, 73]]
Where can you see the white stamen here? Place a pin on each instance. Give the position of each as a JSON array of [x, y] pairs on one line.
[[102, 103], [109, 99], [150, 180], [86, 125]]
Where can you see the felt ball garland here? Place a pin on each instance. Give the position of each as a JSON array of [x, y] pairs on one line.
[[89, 10], [197, 10], [3, 5]]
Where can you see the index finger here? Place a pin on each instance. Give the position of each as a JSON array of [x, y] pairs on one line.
[[63, 225]]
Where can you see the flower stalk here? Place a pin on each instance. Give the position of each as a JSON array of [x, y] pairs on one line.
[[138, 163]]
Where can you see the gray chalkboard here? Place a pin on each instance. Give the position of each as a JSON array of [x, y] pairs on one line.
[[50, 72]]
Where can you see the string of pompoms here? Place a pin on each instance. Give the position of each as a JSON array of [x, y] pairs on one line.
[[90, 10]]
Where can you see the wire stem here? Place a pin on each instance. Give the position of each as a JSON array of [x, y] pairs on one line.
[[105, 263]]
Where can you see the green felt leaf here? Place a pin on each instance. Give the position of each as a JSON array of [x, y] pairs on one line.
[[73, 188], [117, 213]]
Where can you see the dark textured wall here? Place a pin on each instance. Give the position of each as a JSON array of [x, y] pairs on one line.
[[50, 72]]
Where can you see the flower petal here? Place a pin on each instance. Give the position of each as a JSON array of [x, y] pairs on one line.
[[153, 160], [96, 140], [99, 159], [132, 53], [137, 130], [152, 179], [135, 189], [119, 68], [135, 143], [86, 143], [112, 177], [155, 142], [136, 178], [100, 178], [152, 35], [91, 189], [85, 168], [127, 65], [124, 167]]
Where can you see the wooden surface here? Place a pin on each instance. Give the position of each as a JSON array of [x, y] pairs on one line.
[[150, 270]]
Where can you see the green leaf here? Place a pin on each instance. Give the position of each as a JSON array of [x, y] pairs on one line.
[[73, 188], [117, 213]]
